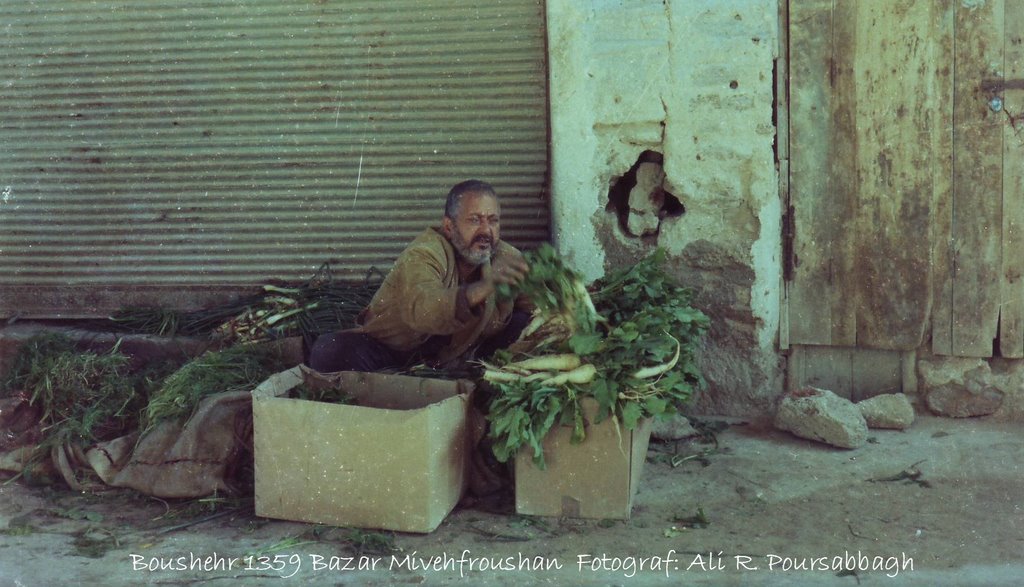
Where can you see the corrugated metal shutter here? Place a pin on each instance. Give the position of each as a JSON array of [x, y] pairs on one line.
[[149, 145]]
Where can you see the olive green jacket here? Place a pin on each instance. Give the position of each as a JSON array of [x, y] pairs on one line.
[[423, 296]]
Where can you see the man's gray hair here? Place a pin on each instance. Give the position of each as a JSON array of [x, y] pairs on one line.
[[470, 186]]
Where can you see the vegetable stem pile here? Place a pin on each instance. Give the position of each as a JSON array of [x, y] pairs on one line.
[[628, 343], [318, 305], [82, 396]]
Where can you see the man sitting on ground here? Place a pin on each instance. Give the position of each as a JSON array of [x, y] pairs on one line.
[[438, 304]]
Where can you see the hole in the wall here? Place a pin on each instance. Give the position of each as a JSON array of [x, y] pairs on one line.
[[651, 203], [672, 207], [734, 84]]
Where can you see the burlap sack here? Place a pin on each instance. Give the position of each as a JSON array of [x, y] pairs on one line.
[[210, 453]]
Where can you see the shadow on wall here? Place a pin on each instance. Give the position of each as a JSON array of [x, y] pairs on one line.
[[639, 199]]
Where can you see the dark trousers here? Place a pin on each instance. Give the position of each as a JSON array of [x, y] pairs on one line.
[[354, 351]]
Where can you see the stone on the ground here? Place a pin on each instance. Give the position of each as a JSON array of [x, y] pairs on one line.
[[675, 428], [960, 388], [958, 401], [889, 410], [819, 414]]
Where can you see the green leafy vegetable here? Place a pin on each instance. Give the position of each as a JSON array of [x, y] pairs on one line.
[[638, 332], [235, 368], [563, 305], [83, 396]]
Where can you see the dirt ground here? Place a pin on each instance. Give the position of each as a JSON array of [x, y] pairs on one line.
[[939, 504]]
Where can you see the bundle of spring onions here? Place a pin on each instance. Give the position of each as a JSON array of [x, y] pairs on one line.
[[274, 315], [319, 305], [628, 343]]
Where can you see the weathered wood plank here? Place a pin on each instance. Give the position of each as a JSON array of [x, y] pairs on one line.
[[1011, 314], [942, 183], [818, 309], [908, 372], [844, 171], [810, 49], [822, 367], [875, 372], [977, 178], [853, 373], [894, 113]]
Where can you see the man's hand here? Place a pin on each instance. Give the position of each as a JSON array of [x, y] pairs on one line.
[[509, 268], [505, 268]]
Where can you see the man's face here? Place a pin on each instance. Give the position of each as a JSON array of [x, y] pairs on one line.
[[474, 231]]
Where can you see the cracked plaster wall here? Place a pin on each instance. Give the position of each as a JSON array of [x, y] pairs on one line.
[[692, 80]]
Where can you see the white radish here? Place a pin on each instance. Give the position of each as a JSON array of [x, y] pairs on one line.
[[582, 374], [497, 376], [538, 376], [565, 362], [534, 325], [655, 370]]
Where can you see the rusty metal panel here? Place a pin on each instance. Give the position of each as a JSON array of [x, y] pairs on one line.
[[222, 143]]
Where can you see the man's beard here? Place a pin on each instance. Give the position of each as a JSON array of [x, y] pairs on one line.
[[466, 252]]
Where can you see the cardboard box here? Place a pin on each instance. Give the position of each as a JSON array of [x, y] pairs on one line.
[[396, 461], [597, 478]]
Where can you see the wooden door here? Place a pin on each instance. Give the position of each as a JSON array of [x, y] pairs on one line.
[[905, 175], [1009, 88]]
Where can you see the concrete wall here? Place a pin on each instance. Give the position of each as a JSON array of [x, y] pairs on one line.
[[688, 84]]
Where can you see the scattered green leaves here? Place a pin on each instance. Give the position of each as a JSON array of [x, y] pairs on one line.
[[377, 543], [323, 393], [698, 520], [19, 526], [76, 514], [94, 543], [286, 543]]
